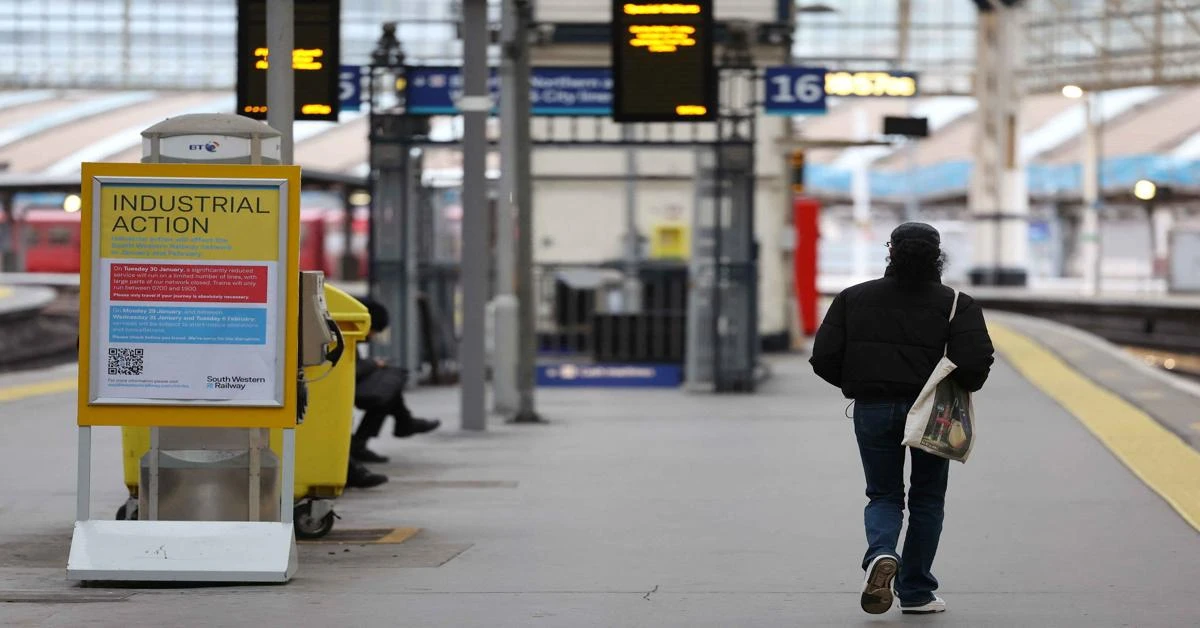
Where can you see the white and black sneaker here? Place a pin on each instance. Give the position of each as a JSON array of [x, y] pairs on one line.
[[938, 605], [877, 594]]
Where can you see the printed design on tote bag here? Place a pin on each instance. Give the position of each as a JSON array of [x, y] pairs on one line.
[[948, 431]]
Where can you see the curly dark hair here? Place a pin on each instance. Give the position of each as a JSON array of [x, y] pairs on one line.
[[914, 261]]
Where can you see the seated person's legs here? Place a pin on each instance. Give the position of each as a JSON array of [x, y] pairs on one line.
[[406, 424], [368, 428]]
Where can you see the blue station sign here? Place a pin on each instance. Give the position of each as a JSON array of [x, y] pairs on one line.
[[351, 80], [610, 375], [794, 90], [554, 91], [588, 91]]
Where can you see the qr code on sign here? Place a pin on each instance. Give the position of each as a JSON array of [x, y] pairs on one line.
[[126, 361]]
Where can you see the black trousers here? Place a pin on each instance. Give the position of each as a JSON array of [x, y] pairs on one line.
[[372, 421]]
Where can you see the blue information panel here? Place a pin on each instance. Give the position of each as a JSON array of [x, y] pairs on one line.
[[350, 87], [555, 91], [572, 91], [1039, 231], [794, 90], [610, 375]]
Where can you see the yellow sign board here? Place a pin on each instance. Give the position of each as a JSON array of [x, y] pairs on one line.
[[188, 296], [670, 240], [866, 84]]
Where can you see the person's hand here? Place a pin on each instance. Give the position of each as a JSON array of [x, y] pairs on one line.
[[380, 362]]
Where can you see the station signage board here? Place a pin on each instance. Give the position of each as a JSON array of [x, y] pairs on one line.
[[187, 295], [610, 375], [554, 91], [315, 59], [593, 91], [794, 90], [662, 61], [877, 84], [352, 81]]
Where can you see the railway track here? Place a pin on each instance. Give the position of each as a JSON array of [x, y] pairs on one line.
[[41, 337], [1186, 365]]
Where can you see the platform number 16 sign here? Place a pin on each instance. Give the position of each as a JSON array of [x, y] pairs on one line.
[[794, 90]]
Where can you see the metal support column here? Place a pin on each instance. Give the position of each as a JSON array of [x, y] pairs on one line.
[[700, 356], [394, 178], [83, 475], [997, 197], [526, 313], [722, 324], [415, 206], [504, 309], [633, 285], [281, 98], [349, 264], [912, 199], [475, 105], [1089, 226], [517, 231], [860, 194], [389, 220], [11, 236], [126, 42]]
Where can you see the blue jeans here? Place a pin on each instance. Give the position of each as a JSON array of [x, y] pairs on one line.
[[879, 428]]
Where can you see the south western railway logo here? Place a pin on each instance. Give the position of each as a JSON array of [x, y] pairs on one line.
[[233, 382]]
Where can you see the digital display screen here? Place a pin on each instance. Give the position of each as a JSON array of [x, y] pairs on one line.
[[662, 56], [871, 84], [315, 59]]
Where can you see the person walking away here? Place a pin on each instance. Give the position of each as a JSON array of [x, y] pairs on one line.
[[379, 391], [879, 343]]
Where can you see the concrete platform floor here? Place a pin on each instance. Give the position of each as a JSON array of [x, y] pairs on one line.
[[646, 508]]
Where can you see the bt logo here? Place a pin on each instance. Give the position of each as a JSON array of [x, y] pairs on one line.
[[210, 146]]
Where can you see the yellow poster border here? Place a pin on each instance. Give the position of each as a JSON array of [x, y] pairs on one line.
[[165, 414]]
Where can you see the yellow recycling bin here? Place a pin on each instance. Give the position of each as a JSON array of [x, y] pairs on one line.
[[322, 441]]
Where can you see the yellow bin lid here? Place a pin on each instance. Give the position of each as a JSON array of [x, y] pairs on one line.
[[349, 313]]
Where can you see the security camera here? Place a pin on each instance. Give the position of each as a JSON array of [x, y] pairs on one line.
[[544, 33]]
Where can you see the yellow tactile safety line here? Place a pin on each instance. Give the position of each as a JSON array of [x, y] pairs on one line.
[[399, 535], [16, 393], [1168, 465], [4, 292]]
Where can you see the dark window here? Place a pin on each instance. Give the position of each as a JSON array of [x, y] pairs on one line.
[[59, 236]]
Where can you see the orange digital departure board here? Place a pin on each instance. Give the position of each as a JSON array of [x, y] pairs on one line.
[[315, 59], [662, 56]]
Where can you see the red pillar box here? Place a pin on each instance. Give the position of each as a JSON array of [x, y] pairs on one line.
[[805, 218]]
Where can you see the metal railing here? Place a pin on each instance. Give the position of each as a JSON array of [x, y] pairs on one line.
[[438, 318], [585, 313]]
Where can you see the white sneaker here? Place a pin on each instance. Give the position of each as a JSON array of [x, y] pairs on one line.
[[938, 605], [877, 596]]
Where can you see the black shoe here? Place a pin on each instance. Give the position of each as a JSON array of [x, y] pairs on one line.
[[359, 452], [358, 476], [416, 426]]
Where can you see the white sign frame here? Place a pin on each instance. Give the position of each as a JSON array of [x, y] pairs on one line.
[[281, 290]]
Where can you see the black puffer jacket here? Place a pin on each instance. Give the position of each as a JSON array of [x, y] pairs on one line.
[[881, 340]]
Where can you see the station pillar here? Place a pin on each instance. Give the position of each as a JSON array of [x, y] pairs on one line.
[[997, 196]]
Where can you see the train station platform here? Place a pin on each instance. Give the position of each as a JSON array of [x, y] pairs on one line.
[[24, 298], [1079, 507]]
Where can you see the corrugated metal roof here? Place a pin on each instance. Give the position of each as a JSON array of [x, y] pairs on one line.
[[49, 132], [1156, 127]]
